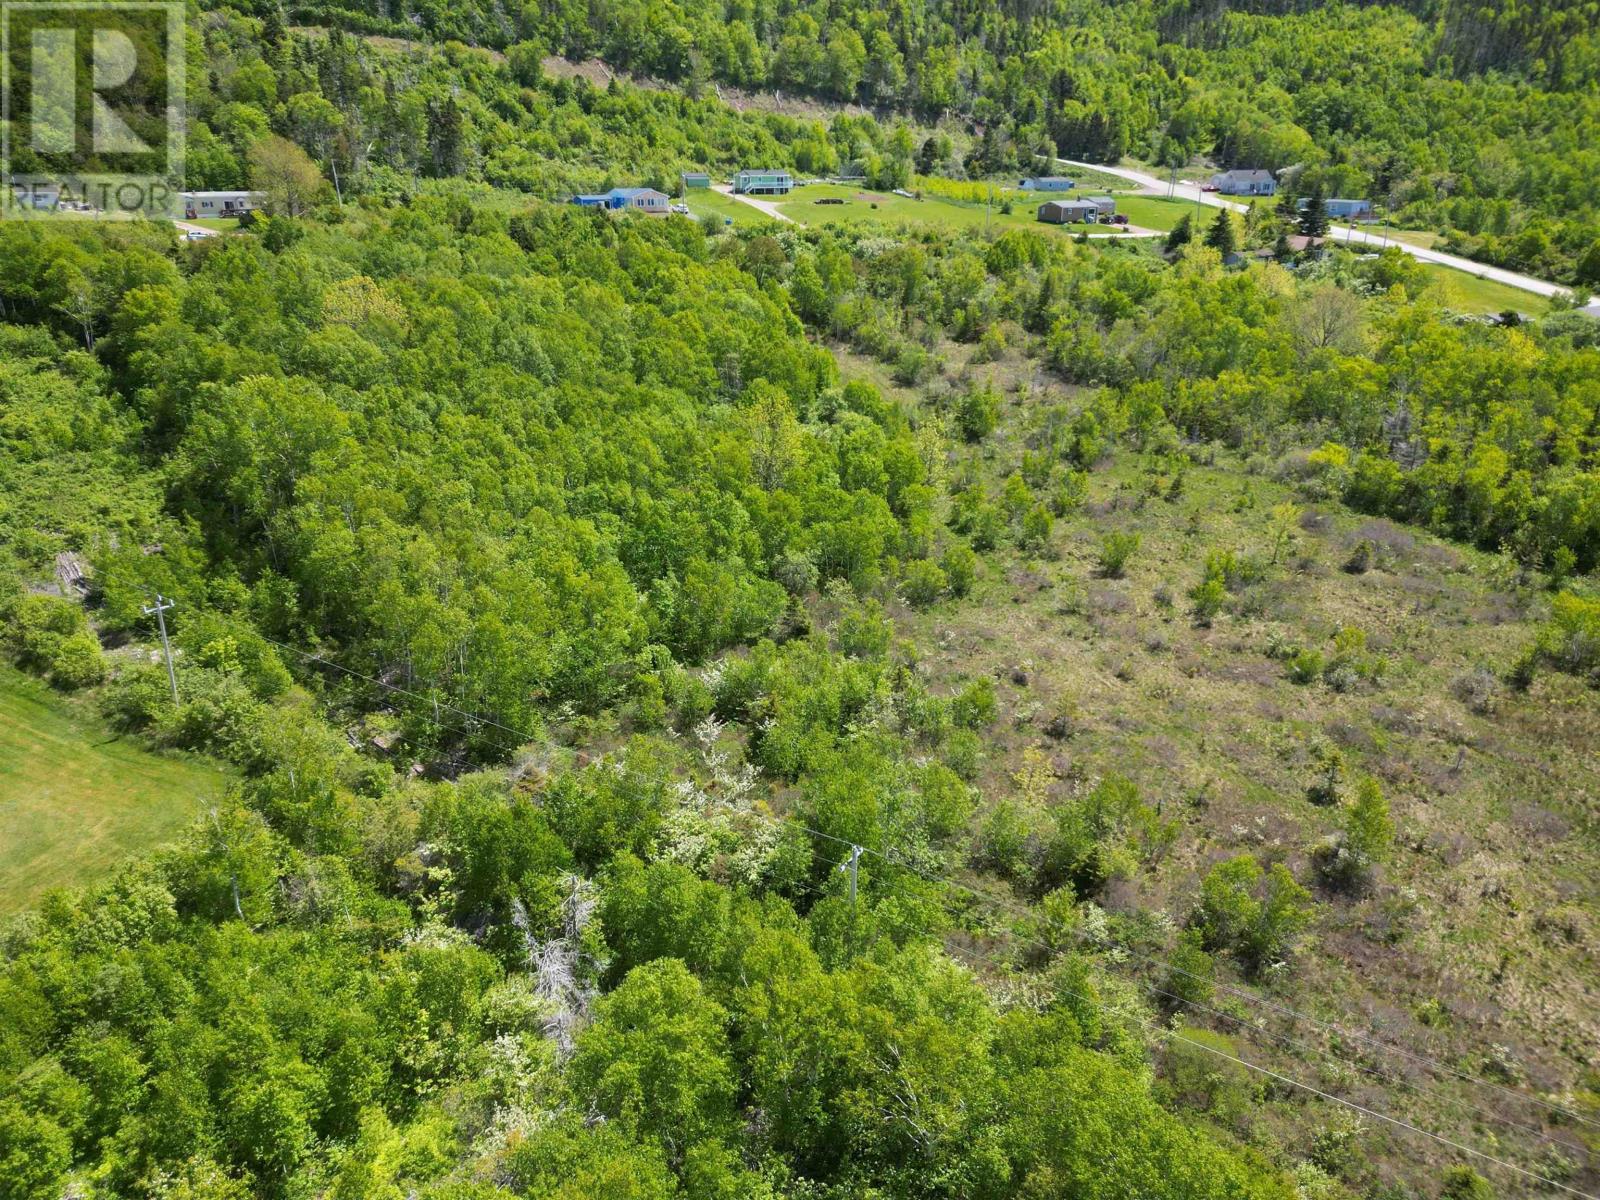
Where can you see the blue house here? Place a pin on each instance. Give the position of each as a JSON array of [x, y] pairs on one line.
[[1047, 183], [638, 199]]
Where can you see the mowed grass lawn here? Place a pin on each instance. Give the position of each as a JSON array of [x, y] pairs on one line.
[[76, 797], [704, 201], [858, 209], [1469, 293]]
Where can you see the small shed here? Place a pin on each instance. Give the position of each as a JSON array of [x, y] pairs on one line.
[[690, 180]]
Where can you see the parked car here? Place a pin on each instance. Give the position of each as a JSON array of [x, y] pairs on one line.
[[679, 208], [1208, 187], [1117, 219]]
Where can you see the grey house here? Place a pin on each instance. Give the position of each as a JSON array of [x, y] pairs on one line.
[[1106, 205], [1245, 183], [1069, 212], [763, 183], [1047, 183], [1342, 210]]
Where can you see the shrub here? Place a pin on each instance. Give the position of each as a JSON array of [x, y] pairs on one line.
[[1115, 550], [797, 573], [977, 413], [77, 662], [1190, 972], [922, 583], [1008, 841], [1349, 859], [1463, 1183], [1570, 640], [974, 706], [960, 568], [1208, 596], [51, 637], [1256, 916], [1327, 787], [1036, 526], [1306, 666]]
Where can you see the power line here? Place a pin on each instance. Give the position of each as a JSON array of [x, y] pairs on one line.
[[894, 860], [1284, 1010], [1151, 1026]]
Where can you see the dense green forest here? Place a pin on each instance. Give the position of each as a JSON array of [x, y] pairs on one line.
[[817, 712], [513, 477], [1474, 121]]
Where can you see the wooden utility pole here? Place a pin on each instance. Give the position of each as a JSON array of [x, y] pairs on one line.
[[850, 866], [159, 611]]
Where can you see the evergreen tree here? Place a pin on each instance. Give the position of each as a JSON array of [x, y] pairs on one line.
[[1221, 237], [1182, 234], [1314, 216]]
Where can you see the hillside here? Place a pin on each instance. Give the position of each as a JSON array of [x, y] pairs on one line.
[[900, 702], [1180, 701]]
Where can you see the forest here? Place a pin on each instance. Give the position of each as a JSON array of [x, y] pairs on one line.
[[1447, 116], [710, 711]]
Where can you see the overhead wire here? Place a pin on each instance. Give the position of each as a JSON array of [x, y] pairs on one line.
[[524, 736]]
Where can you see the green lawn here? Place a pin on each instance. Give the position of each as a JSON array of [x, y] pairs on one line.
[[702, 201], [76, 797], [220, 224], [1161, 214], [863, 206], [1469, 293]]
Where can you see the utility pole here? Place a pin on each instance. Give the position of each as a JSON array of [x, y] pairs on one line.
[[850, 866], [159, 611]]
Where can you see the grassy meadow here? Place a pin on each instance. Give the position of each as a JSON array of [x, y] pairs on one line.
[[76, 797]]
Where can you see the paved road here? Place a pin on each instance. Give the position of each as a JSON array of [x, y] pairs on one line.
[[1341, 233]]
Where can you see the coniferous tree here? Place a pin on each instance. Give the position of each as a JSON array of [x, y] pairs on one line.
[[1221, 237], [1182, 234], [1314, 216]]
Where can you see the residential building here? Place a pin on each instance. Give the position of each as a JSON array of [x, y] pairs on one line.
[[1343, 210], [763, 183], [693, 179], [220, 204], [1047, 183], [1067, 212], [635, 199], [640, 199], [1106, 204], [1244, 182]]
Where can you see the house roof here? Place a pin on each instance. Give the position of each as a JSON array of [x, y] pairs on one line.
[[1100, 199], [1247, 175], [763, 171], [1048, 179], [630, 193], [695, 174]]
